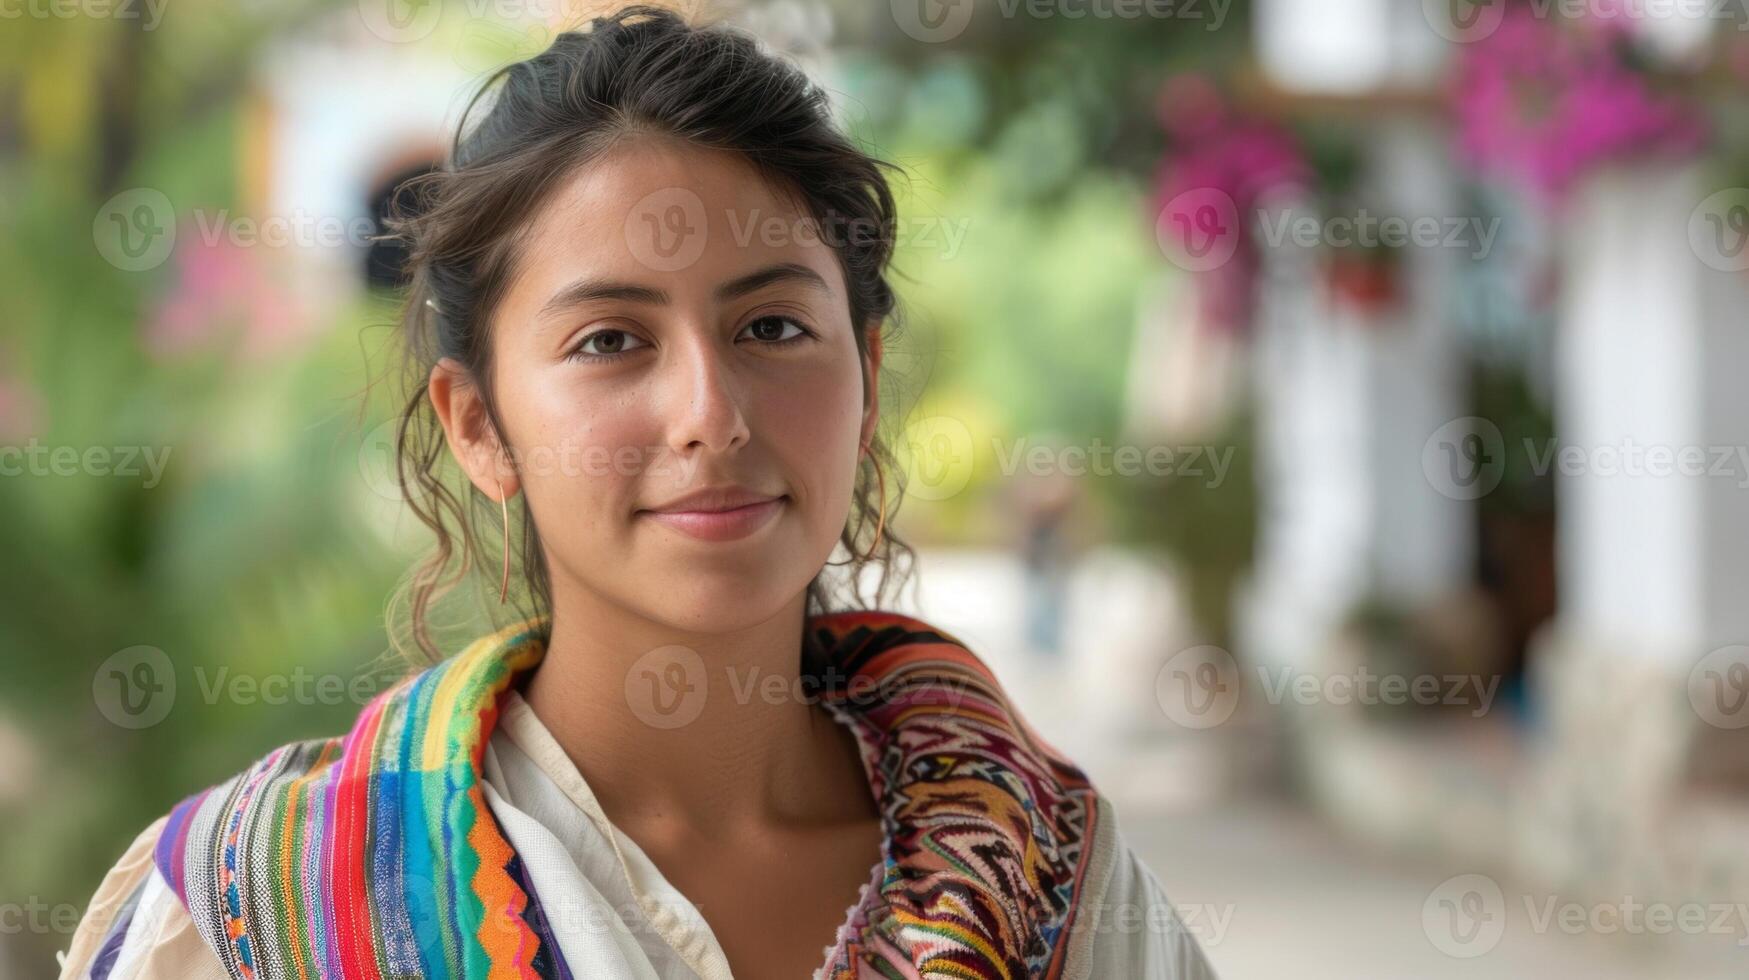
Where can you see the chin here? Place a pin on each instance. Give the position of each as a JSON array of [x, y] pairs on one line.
[[703, 602]]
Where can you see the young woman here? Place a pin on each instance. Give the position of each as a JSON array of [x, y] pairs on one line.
[[648, 296]]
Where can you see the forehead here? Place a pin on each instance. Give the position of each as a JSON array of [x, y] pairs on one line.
[[662, 211]]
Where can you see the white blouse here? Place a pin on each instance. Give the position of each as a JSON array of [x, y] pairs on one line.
[[611, 911]]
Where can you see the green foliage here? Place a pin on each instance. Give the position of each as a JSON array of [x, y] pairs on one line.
[[1208, 527], [256, 552]]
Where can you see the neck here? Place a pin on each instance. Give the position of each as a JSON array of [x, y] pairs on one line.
[[705, 732]]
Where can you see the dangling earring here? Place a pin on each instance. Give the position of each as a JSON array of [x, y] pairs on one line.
[[504, 502], [881, 520]]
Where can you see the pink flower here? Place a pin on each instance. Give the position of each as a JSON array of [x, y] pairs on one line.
[[222, 290], [1545, 101], [1211, 184]]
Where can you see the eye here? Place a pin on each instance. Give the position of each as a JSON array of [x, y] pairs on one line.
[[606, 344], [776, 328]]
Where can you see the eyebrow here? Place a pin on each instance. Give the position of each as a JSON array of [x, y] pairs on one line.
[[587, 290]]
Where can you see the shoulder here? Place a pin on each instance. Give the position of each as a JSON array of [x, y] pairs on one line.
[[296, 772], [172, 899], [1126, 925], [956, 751], [136, 928]]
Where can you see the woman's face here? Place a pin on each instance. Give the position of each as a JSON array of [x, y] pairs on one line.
[[673, 329]]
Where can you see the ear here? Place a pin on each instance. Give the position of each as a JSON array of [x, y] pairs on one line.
[[467, 427], [871, 413]]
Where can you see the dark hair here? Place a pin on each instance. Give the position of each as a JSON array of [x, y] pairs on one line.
[[641, 70]]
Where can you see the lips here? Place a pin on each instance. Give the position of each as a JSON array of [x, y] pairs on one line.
[[714, 499], [726, 514]]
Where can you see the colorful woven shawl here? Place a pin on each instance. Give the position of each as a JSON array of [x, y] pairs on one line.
[[375, 856]]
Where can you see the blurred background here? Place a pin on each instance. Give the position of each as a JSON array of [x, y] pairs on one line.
[[1326, 417]]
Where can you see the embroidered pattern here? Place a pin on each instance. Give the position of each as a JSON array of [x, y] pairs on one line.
[[987, 826]]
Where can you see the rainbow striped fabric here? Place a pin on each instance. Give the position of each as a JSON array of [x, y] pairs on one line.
[[374, 856]]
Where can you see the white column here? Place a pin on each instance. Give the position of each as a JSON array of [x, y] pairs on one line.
[[1346, 404], [1650, 364], [1652, 566], [1347, 46]]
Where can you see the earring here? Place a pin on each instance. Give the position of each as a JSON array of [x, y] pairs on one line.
[[504, 502], [881, 520]]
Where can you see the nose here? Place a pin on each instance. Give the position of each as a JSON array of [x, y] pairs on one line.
[[704, 401]]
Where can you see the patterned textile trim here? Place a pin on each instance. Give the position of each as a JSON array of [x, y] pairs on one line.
[[988, 827], [374, 856]]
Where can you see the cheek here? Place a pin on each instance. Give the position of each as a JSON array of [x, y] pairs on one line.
[[578, 446], [813, 425]]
